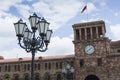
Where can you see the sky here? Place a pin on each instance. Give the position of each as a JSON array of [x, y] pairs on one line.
[[61, 14]]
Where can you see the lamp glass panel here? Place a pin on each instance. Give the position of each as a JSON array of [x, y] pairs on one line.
[[30, 35], [16, 28], [68, 66], [48, 35], [42, 25], [72, 69], [27, 34], [32, 21], [22, 28], [64, 70], [46, 27], [38, 24]]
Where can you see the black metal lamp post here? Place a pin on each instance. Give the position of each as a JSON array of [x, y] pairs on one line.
[[28, 40], [68, 72]]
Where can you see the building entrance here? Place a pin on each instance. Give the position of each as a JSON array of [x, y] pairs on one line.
[[92, 77]]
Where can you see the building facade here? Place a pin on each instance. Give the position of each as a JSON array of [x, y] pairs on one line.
[[95, 57]]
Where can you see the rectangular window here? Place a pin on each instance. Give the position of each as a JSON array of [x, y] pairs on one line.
[[5, 68], [45, 66], [94, 34], [118, 50], [9, 68], [81, 62], [88, 33], [0, 68], [99, 61], [15, 67], [38, 66], [49, 66], [35, 66], [100, 33], [25, 68], [28, 67], [77, 34], [60, 65], [18, 67], [56, 65], [83, 33]]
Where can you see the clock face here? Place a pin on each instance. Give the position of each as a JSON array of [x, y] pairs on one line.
[[89, 49]]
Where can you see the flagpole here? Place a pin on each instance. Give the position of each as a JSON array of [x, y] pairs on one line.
[[85, 9], [87, 13]]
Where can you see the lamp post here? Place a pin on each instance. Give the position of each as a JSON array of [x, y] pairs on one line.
[[27, 39], [68, 72]]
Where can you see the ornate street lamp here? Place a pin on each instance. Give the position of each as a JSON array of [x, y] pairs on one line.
[[28, 40], [68, 72]]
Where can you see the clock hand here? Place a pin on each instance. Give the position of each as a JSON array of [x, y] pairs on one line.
[[89, 49]]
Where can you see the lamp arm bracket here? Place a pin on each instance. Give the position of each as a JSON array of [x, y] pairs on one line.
[[41, 49], [22, 46], [28, 50]]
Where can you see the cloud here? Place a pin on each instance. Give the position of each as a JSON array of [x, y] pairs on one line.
[[91, 7], [7, 30], [103, 4], [23, 10], [58, 12], [6, 4], [117, 14], [58, 46], [115, 29], [61, 46], [56, 15]]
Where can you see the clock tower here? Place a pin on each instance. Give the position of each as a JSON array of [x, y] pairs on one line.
[[91, 47]]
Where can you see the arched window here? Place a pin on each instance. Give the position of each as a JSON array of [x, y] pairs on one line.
[[16, 77], [91, 77], [6, 76], [59, 77], [26, 77], [37, 77], [47, 76]]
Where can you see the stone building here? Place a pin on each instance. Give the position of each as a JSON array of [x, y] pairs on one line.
[[46, 68], [95, 57]]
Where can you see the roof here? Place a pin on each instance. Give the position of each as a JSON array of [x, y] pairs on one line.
[[90, 23], [36, 58], [115, 43], [1, 57]]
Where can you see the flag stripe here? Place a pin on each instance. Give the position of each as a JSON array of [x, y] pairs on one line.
[[85, 7]]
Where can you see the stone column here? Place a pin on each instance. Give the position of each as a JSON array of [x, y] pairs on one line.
[[103, 31], [91, 33], [85, 33], [97, 32], [80, 34]]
